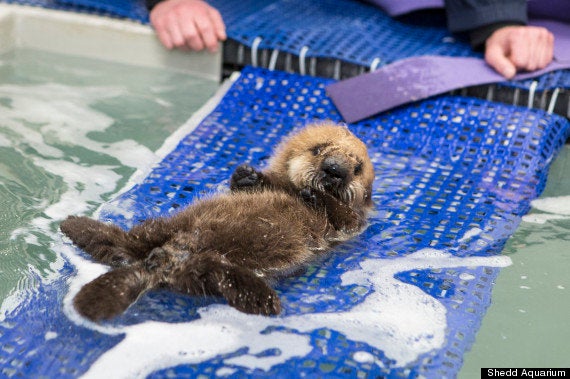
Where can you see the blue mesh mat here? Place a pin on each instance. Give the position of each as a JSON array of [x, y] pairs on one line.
[[131, 9], [454, 177], [348, 30]]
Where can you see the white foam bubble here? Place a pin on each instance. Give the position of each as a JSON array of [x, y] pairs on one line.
[[225, 371], [542, 218], [363, 357], [559, 205], [466, 276], [4, 142], [470, 234], [50, 336], [558, 208]]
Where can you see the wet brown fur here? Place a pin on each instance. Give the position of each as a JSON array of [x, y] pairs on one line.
[[315, 193]]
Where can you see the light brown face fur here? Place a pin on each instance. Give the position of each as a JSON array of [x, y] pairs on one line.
[[329, 158]]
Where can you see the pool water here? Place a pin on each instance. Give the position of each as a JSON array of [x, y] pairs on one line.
[[527, 325], [72, 132]]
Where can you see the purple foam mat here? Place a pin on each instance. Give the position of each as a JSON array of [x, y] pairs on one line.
[[414, 79]]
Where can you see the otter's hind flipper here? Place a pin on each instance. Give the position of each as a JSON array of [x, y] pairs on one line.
[[112, 293], [105, 243], [210, 274]]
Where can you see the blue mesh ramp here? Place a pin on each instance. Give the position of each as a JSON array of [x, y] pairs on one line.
[[131, 9], [346, 30], [404, 299]]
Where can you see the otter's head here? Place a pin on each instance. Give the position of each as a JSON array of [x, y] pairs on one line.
[[329, 158]]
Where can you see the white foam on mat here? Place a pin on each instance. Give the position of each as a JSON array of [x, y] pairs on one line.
[[398, 318]]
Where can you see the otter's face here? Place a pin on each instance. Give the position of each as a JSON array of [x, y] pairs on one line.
[[331, 159]]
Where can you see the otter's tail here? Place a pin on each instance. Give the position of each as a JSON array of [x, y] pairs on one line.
[[112, 293]]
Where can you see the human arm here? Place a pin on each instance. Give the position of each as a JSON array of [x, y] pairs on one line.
[[187, 24], [499, 28]]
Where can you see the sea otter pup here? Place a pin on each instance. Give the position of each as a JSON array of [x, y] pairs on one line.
[[315, 192]]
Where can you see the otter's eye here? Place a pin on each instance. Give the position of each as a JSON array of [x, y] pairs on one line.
[[358, 169], [316, 150]]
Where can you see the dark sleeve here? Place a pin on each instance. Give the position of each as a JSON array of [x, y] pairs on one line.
[[480, 18], [152, 3]]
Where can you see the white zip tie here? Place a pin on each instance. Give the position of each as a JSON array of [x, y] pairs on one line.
[[531, 92], [254, 47], [336, 72], [490, 92], [516, 96], [273, 60], [313, 66], [302, 54], [553, 99], [543, 99], [374, 64], [288, 62], [240, 54]]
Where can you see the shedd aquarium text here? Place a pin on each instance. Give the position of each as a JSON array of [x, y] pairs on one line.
[[524, 373]]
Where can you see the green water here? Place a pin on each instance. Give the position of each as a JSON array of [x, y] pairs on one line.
[[72, 131], [528, 324]]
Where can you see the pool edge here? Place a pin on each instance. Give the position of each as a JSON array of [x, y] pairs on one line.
[[89, 36]]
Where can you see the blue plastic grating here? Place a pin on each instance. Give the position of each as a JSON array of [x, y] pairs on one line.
[[347, 30], [445, 167], [134, 10], [550, 80]]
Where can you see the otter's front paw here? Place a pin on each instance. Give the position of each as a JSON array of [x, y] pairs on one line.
[[354, 225], [348, 221], [245, 177], [309, 197]]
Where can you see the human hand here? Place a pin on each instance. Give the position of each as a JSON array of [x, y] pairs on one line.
[[513, 48], [188, 24]]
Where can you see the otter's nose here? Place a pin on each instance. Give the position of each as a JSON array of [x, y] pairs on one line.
[[334, 168]]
